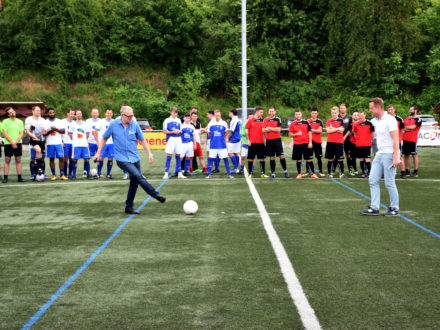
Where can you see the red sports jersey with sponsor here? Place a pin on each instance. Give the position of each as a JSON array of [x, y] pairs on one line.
[[400, 126], [336, 137], [255, 127], [316, 124], [413, 135], [353, 126], [272, 122], [364, 132], [304, 127]]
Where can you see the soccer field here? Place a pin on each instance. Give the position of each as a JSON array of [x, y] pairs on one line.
[[218, 268]]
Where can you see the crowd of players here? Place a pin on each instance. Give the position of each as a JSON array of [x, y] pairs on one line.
[[348, 136]]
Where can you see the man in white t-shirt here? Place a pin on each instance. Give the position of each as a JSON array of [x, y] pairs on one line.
[[34, 126], [53, 131], [172, 128], [67, 143], [108, 150], [386, 160], [93, 123], [79, 133]]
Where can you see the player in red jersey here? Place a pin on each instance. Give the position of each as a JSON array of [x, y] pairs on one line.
[[364, 132], [410, 136], [400, 126], [354, 122], [316, 125], [335, 143], [301, 132], [274, 146], [255, 139]]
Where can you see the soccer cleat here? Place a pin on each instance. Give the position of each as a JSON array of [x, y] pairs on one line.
[[126, 176], [108, 176], [272, 176], [208, 177], [165, 176], [186, 174], [91, 177], [403, 176], [216, 171], [237, 171], [84, 175], [351, 173], [32, 177], [321, 174], [329, 176], [314, 176], [356, 172], [21, 180], [73, 178], [64, 178], [364, 175], [54, 177], [342, 176], [299, 176], [392, 212], [5, 180], [333, 174], [250, 176], [370, 211], [180, 176], [230, 176], [264, 176], [286, 175], [176, 174], [198, 171], [305, 174], [414, 175], [161, 198]]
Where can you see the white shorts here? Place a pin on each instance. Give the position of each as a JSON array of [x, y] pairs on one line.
[[187, 150], [207, 144], [244, 150], [234, 148], [221, 153], [174, 146]]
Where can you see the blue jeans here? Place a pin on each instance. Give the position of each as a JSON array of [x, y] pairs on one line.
[[381, 165], [136, 178]]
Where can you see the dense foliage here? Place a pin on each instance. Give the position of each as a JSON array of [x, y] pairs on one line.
[[300, 52]]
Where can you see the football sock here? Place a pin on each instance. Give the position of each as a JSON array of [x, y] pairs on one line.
[[283, 164], [87, 167], [19, 176], [242, 167], [100, 165], [335, 164], [53, 171], [349, 164], [167, 164], [416, 171], [307, 167], [319, 164], [250, 166], [217, 163], [65, 166], [40, 164], [71, 167], [109, 166], [61, 172], [298, 167], [228, 168], [368, 165], [329, 166], [311, 167], [341, 167], [363, 166], [195, 166], [353, 164], [31, 165], [272, 165], [210, 161], [178, 164], [402, 173], [74, 168], [233, 160], [187, 164], [407, 172], [262, 166]]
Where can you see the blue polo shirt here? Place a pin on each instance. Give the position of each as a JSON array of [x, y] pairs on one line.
[[124, 140]]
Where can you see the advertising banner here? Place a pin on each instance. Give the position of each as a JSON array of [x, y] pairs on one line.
[[429, 136], [155, 140]]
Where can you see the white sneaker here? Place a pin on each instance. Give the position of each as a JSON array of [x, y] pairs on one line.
[[230, 176], [181, 176], [125, 176], [165, 176]]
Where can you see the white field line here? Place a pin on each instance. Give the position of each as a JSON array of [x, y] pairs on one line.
[[306, 312]]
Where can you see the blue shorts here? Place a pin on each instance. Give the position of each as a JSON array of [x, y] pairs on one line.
[[108, 151], [81, 152], [53, 151], [33, 152], [68, 150], [93, 149]]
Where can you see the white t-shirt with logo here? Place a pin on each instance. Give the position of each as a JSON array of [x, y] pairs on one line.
[[39, 125], [94, 126], [54, 138], [66, 137], [79, 133], [103, 125]]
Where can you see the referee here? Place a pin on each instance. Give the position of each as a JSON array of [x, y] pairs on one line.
[[124, 133], [386, 160]]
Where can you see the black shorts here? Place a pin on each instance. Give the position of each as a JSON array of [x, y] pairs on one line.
[[348, 146], [363, 152], [334, 150], [301, 151], [317, 149], [274, 147], [409, 148], [9, 151], [42, 145], [256, 149]]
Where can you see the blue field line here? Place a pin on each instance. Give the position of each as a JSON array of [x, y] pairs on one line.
[[52, 299], [384, 206]]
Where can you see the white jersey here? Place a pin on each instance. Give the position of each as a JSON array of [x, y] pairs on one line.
[[103, 125], [94, 126], [66, 137], [35, 126], [79, 134], [54, 138]]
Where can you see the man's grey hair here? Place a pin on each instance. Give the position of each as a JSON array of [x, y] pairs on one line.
[[124, 109]]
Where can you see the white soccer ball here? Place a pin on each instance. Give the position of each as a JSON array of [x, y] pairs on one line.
[[190, 207], [93, 172], [40, 177]]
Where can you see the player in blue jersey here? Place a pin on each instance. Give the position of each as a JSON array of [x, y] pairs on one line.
[[172, 127], [217, 132], [234, 140], [188, 145], [108, 150]]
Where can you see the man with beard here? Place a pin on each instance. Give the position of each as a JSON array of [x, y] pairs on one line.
[[53, 131]]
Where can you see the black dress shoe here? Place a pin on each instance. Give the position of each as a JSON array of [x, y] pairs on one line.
[[5, 180], [131, 211], [161, 199]]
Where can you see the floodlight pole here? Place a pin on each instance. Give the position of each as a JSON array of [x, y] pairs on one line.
[[243, 62]]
